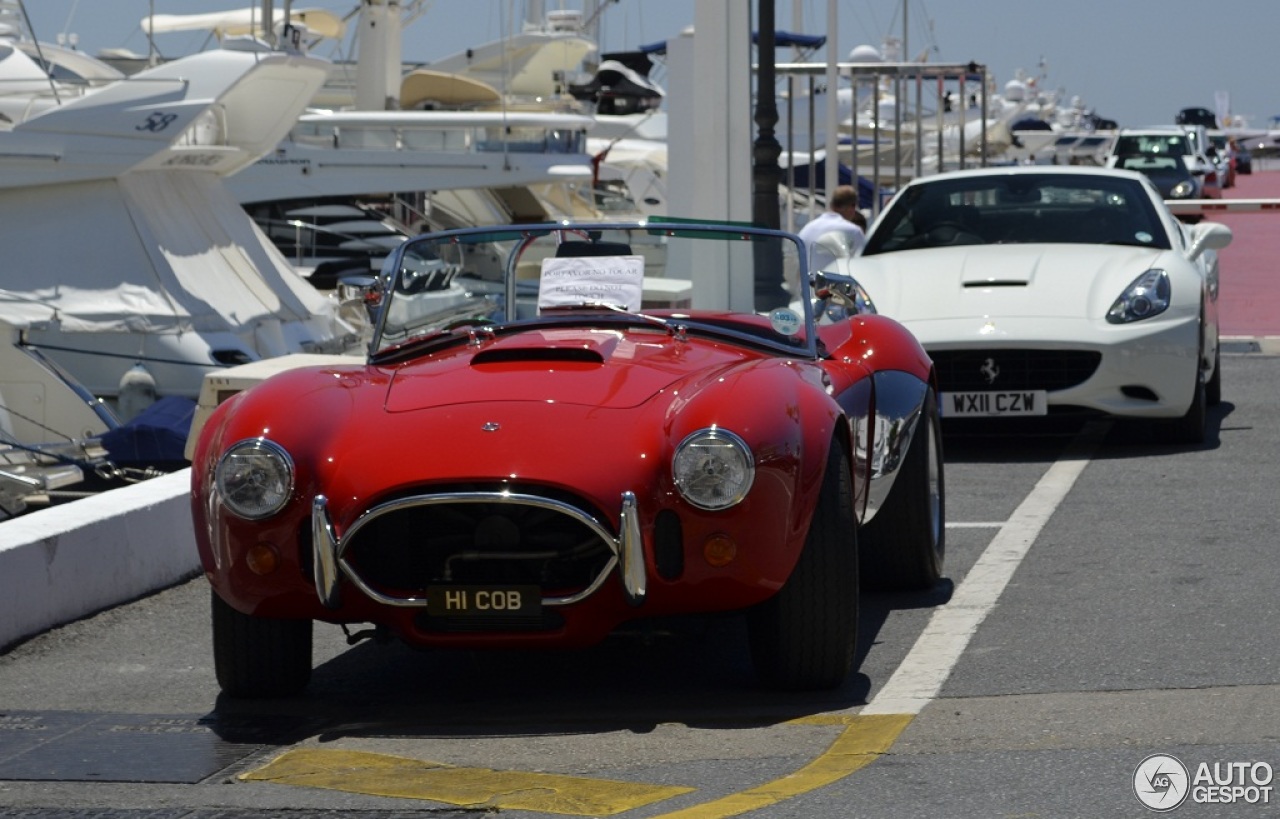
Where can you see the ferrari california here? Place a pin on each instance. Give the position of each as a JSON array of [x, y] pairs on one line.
[[563, 430], [1041, 289]]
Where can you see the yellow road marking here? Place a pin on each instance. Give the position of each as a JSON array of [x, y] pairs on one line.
[[385, 775], [866, 738], [863, 741]]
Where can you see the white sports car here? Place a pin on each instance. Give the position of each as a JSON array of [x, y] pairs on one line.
[[1041, 289]]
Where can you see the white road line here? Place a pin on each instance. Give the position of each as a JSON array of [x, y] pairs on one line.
[[926, 667]]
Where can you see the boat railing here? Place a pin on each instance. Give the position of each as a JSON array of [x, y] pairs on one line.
[[493, 137], [36, 96], [58, 90], [300, 240]]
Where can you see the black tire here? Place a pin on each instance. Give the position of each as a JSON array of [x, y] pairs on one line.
[[1213, 390], [1191, 427], [902, 548], [805, 637], [259, 657]]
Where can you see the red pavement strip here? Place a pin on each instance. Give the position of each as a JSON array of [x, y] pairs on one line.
[[1249, 268]]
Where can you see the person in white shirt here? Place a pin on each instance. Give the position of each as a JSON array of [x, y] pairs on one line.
[[842, 216]]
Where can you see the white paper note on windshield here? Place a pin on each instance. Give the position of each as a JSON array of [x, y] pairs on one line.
[[573, 281]]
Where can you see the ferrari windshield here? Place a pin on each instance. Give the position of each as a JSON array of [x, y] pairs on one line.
[[740, 284], [1020, 208]]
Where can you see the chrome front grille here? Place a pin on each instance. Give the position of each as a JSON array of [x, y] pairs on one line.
[[511, 543], [397, 549]]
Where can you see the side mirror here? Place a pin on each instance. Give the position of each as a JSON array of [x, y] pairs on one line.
[[839, 296], [1209, 236], [360, 292]]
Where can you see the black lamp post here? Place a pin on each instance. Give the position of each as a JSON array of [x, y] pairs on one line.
[[766, 175]]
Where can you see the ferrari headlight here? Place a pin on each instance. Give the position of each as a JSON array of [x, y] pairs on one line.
[[713, 469], [1148, 296], [1183, 190], [254, 478]]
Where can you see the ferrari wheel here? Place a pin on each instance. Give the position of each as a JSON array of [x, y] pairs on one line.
[[1213, 390], [1191, 427], [259, 657], [805, 636], [903, 546]]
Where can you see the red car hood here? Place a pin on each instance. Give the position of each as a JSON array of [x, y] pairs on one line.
[[598, 368]]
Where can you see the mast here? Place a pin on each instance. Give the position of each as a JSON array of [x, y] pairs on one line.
[[378, 62]]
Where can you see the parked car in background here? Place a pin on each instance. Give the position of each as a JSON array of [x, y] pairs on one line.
[[1173, 140], [1196, 116], [1041, 290], [562, 430], [1169, 173]]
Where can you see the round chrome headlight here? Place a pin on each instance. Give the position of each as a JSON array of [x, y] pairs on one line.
[[254, 478], [713, 469]]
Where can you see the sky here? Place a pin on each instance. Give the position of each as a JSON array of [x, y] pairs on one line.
[[1134, 61]]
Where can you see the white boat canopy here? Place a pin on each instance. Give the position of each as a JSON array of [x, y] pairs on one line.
[[244, 22]]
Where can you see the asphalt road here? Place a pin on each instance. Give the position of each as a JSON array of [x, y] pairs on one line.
[[1132, 613]]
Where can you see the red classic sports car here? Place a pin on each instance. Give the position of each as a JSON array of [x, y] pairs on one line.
[[560, 429]]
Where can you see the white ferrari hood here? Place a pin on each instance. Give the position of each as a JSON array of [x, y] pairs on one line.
[[1059, 281]]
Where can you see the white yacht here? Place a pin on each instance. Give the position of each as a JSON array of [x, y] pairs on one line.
[[126, 258], [453, 143]]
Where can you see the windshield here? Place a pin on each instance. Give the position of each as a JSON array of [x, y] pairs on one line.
[[739, 284], [1153, 164], [1013, 208], [1171, 144]]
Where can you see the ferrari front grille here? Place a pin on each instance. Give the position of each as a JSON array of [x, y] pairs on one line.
[[999, 369]]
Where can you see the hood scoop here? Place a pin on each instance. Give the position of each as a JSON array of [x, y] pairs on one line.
[[524, 355], [987, 268], [584, 348], [984, 283]]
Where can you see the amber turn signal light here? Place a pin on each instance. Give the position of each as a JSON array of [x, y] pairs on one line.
[[262, 559], [719, 550]]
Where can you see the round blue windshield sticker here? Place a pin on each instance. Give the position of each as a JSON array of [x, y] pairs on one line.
[[785, 321], [1143, 236]]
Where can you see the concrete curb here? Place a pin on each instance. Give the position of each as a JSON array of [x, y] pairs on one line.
[[72, 560]]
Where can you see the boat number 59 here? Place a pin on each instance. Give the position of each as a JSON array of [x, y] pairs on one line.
[[157, 122]]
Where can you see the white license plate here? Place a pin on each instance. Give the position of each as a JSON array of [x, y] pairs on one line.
[[994, 404]]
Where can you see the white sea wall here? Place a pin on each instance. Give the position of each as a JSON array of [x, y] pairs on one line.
[[72, 560]]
